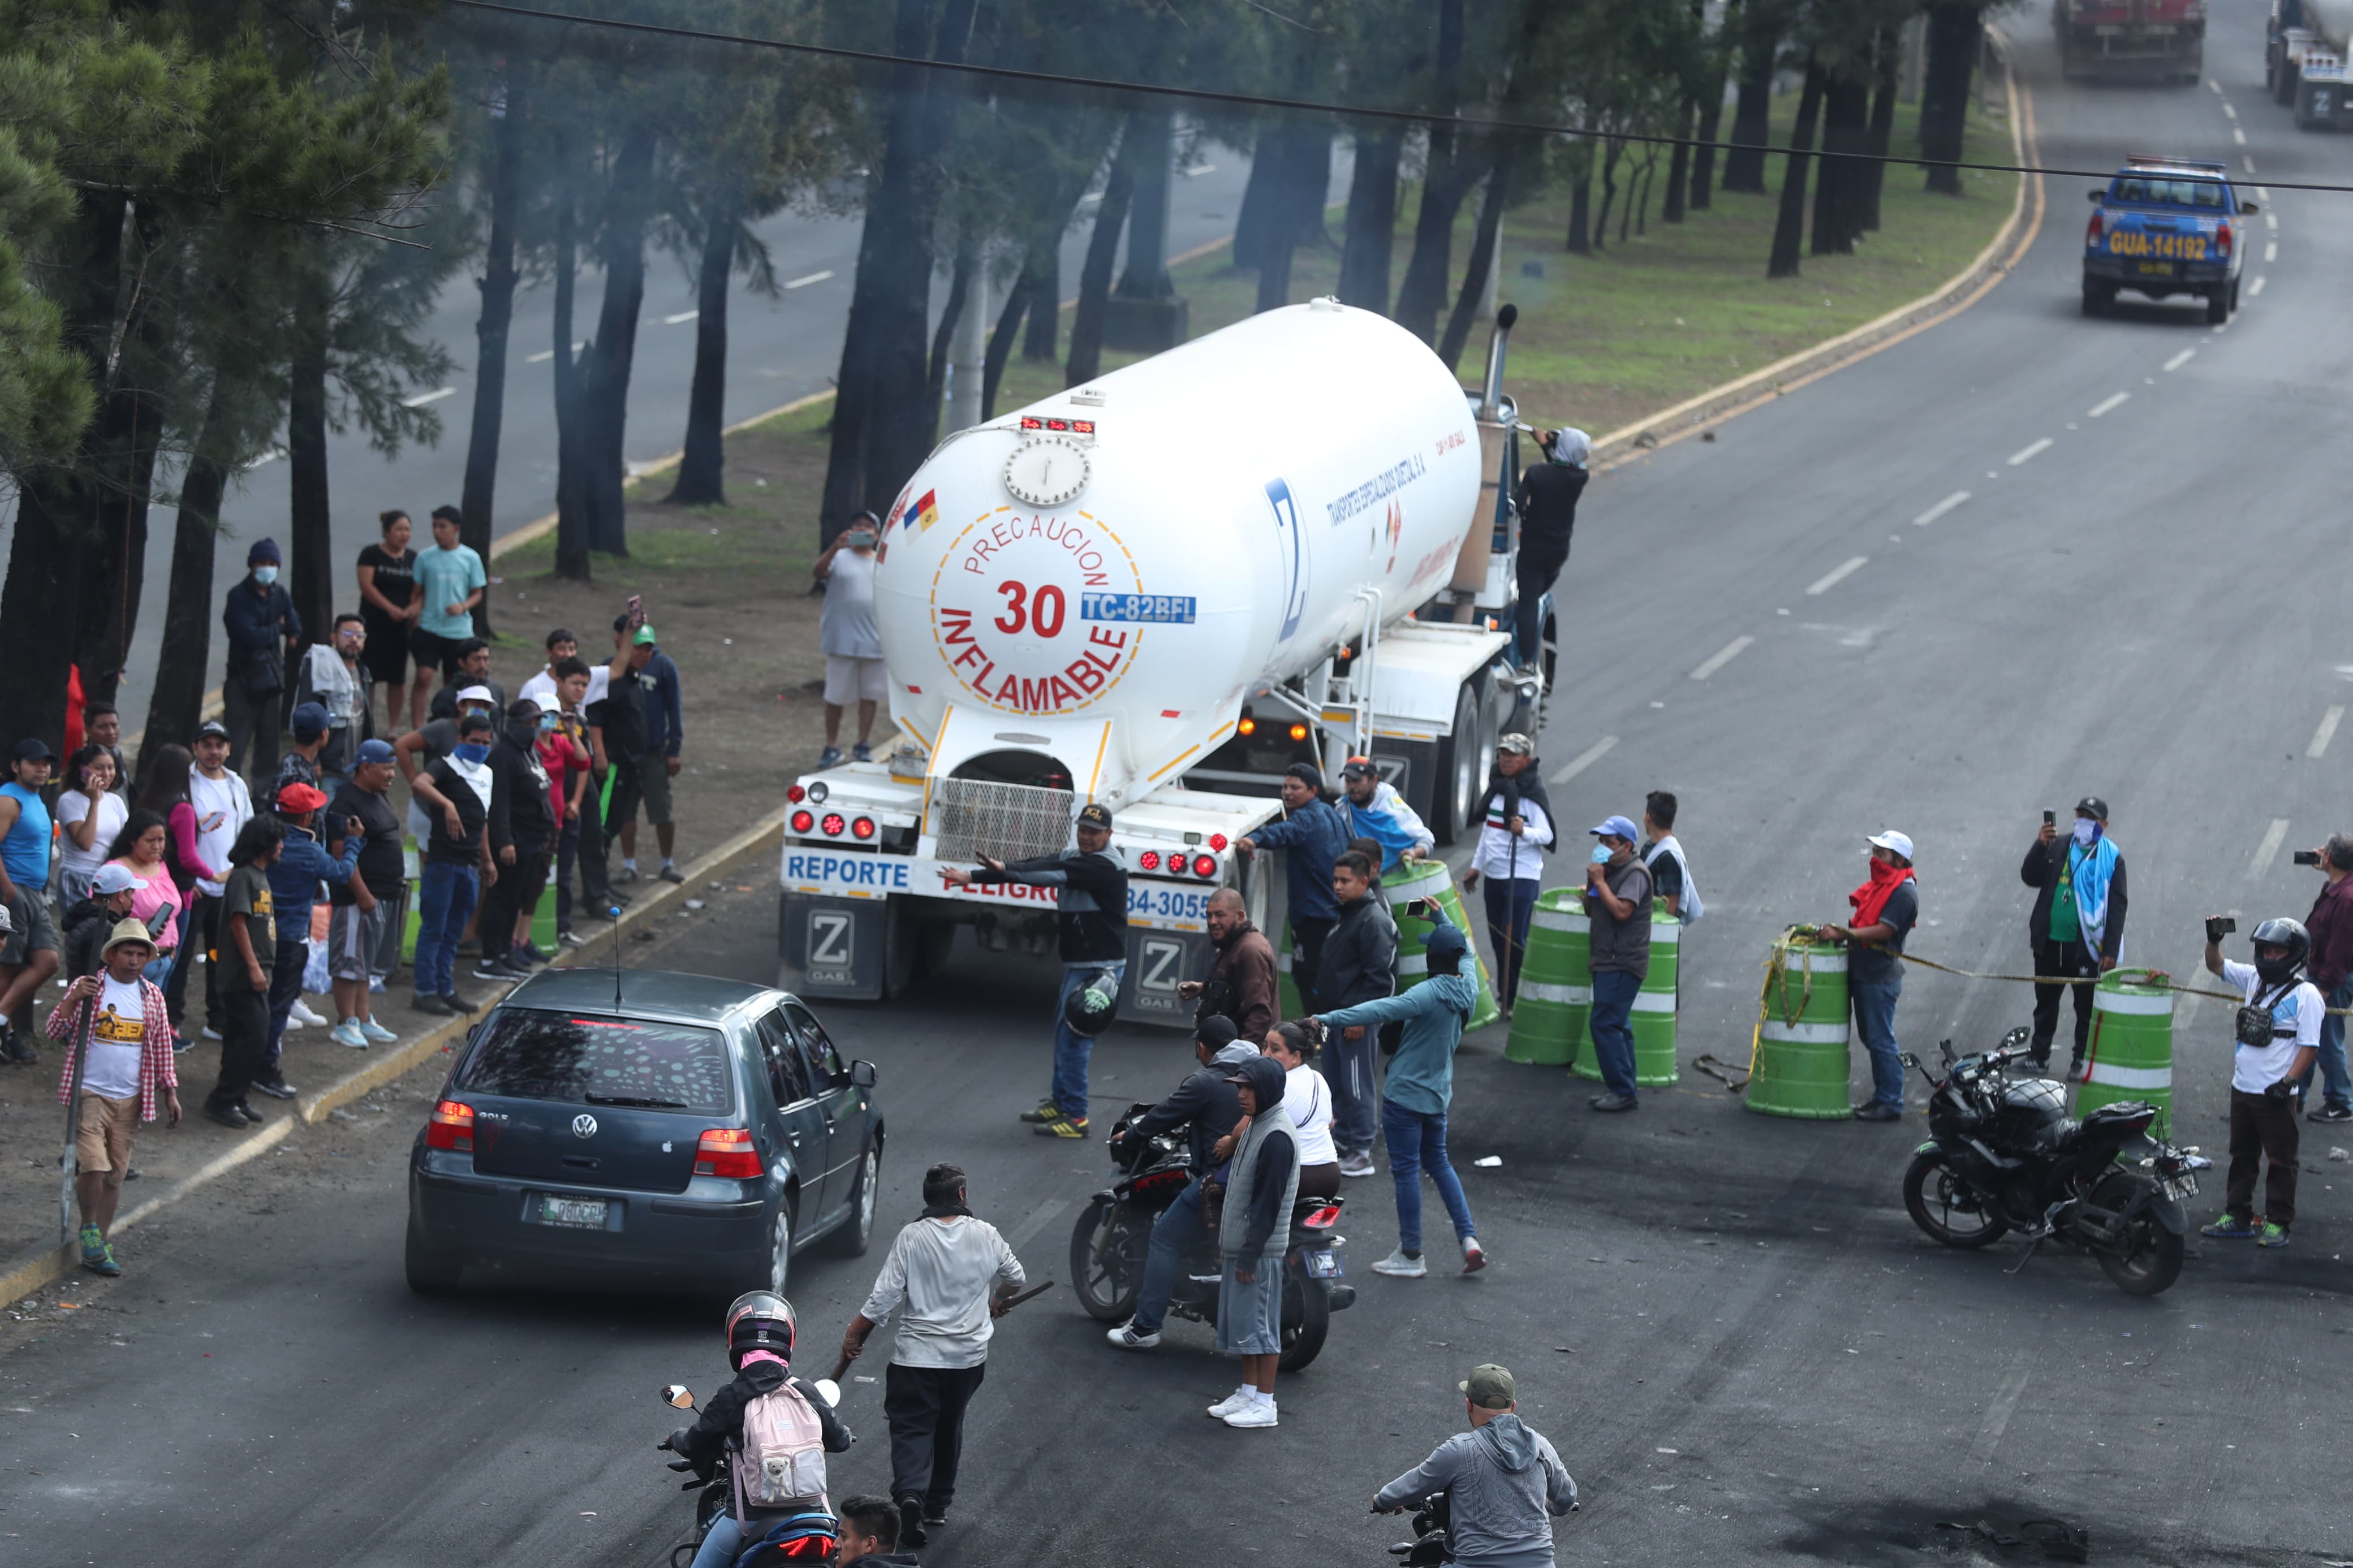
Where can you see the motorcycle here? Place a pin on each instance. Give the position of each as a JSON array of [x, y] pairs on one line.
[[804, 1538], [1429, 1545], [1113, 1233], [2003, 1156]]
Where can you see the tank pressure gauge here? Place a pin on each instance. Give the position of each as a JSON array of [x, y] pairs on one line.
[[1047, 470]]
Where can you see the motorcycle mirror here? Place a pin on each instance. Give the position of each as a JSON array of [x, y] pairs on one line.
[[1947, 1048], [678, 1396], [1908, 1059], [828, 1391], [2016, 1037]]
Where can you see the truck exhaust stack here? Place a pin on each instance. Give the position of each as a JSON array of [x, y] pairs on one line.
[[1491, 393]]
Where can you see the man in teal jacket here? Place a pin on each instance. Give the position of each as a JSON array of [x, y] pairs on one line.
[[1420, 1083]]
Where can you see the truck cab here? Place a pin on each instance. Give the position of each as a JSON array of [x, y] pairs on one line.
[[2304, 44], [2164, 226]]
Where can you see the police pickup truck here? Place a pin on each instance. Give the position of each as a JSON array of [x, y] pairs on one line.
[[2166, 226]]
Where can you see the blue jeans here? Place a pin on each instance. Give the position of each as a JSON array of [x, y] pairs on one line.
[[445, 898], [2335, 1082], [1417, 1141], [1070, 1048], [722, 1545], [1175, 1234], [1874, 1019], [1613, 1029], [1511, 901]]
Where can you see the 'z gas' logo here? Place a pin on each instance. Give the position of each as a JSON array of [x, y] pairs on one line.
[[1291, 549]]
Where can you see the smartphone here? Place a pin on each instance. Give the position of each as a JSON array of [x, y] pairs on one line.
[[2050, 819], [2307, 857], [636, 608], [1419, 908]]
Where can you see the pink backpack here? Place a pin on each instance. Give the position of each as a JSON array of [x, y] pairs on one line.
[[781, 1459]]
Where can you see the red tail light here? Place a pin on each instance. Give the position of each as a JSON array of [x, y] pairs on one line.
[[2222, 240], [803, 821], [1205, 866], [1216, 841], [1148, 861], [863, 827], [1322, 1218], [2093, 232], [727, 1151], [450, 1126], [796, 795], [832, 824]]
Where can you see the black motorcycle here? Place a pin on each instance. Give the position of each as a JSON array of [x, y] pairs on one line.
[[1430, 1545], [811, 1537], [2003, 1156], [1114, 1234]]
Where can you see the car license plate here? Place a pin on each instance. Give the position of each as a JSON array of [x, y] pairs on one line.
[[2156, 268], [581, 1213], [1324, 1266]]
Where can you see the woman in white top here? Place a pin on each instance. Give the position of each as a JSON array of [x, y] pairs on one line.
[[1308, 1100], [89, 814]]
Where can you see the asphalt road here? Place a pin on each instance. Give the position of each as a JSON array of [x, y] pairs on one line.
[[780, 347], [1724, 1322]]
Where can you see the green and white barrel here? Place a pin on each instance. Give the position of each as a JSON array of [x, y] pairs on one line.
[[2131, 1053], [1653, 1018], [1555, 983], [1801, 1064], [1430, 880]]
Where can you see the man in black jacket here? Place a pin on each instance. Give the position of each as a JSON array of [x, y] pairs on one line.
[[1092, 912], [1359, 966], [1548, 496], [2077, 929], [263, 627], [522, 827], [1207, 1107]]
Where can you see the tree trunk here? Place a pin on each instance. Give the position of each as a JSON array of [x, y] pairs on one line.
[[1484, 240], [1640, 206], [1259, 217], [1846, 117], [1145, 276], [1041, 340], [604, 395], [1308, 160], [310, 520], [1954, 27], [571, 463], [175, 702], [1608, 193], [1455, 168], [1094, 273], [1671, 210], [1744, 163], [1580, 205], [109, 530], [37, 611], [1019, 300], [1790, 229], [1883, 129], [478, 495], [935, 376], [1711, 117], [1370, 230], [704, 460]]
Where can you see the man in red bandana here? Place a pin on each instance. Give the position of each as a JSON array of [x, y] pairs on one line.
[[1885, 907]]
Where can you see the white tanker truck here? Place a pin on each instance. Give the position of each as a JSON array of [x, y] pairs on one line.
[[1292, 539], [2305, 49]]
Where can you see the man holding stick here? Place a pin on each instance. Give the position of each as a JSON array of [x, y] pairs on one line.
[[954, 1274], [121, 1060]]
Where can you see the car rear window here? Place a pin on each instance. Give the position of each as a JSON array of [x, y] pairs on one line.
[[528, 1054], [2150, 191]]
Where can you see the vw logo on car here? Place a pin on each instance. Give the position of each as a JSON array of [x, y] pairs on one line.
[[584, 1126]]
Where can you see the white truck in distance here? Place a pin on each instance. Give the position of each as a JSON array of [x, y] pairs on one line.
[[2305, 45], [1292, 539]]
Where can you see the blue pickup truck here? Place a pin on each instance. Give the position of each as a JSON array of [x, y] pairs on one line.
[[2166, 227]]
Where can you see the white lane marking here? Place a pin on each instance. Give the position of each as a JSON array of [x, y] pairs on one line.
[[2215, 85], [1039, 1217], [2184, 357], [2109, 404], [1585, 759], [1940, 509], [543, 355], [2029, 453], [2263, 194], [1998, 1414], [681, 316], [2273, 837], [2249, 161], [2271, 222], [1839, 573], [422, 398], [1721, 658], [1195, 171], [2327, 731], [2238, 135], [2256, 287], [2271, 251], [812, 278], [2228, 110]]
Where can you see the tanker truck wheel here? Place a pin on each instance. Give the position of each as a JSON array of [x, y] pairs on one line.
[[1461, 759]]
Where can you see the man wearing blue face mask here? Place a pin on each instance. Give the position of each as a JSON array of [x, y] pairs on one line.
[[459, 795], [2077, 929], [1617, 903], [262, 628]]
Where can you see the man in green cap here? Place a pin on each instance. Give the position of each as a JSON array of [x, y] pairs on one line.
[[1505, 1484]]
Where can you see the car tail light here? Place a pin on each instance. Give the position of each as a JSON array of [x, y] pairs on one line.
[[2222, 240], [1205, 866], [450, 1126], [1323, 1218], [832, 824], [796, 795], [803, 820], [1148, 861], [2093, 232], [863, 827], [726, 1152], [1216, 841]]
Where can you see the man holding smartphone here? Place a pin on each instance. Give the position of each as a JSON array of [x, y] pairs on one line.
[[2077, 929]]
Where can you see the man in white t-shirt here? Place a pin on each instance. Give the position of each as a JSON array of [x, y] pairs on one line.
[[853, 649], [2278, 1034], [540, 688], [223, 807]]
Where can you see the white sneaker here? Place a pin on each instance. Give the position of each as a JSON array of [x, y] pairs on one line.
[[1357, 1164], [347, 1033], [1259, 1411], [292, 1023], [1127, 1338], [211, 1032], [1399, 1265], [303, 1011], [376, 1032], [1233, 1402], [1474, 1256]]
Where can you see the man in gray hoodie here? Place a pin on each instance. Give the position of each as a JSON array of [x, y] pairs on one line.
[[1507, 1485]]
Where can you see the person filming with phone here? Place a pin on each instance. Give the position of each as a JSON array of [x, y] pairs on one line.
[[2077, 929], [2278, 1034]]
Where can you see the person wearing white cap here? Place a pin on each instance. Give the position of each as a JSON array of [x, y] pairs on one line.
[[1548, 496], [1885, 907]]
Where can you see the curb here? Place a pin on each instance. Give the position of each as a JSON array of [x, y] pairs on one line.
[[31, 1272], [1957, 293]]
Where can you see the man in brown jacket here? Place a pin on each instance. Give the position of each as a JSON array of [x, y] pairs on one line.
[[1241, 977]]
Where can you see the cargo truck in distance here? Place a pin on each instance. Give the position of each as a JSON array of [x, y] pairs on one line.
[[2305, 45], [1293, 540], [2131, 40]]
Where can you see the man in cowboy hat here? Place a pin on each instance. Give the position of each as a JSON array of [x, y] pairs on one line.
[[121, 1033]]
